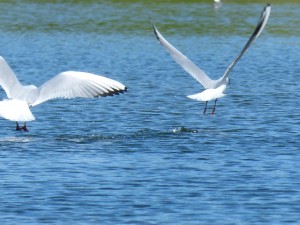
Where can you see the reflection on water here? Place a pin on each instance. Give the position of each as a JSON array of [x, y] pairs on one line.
[[15, 139]]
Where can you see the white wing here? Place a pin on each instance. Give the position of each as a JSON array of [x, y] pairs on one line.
[[184, 62], [73, 84], [259, 28], [8, 80]]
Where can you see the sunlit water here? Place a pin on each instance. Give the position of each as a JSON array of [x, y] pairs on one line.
[[149, 156]]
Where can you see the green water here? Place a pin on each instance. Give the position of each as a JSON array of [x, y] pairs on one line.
[[134, 17]]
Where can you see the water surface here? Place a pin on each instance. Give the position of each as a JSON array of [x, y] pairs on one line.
[[149, 156]]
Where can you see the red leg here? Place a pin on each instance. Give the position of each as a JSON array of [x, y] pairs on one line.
[[24, 127], [204, 111], [17, 126], [214, 108]]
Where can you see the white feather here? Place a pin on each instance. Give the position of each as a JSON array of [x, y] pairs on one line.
[[70, 84], [73, 84], [209, 94], [15, 110]]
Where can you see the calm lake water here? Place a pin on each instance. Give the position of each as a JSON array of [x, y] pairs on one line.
[[149, 156]]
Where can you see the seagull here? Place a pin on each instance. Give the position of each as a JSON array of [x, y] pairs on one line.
[[214, 89], [217, 4], [69, 84]]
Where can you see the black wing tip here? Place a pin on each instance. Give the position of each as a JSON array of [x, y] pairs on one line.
[[267, 6], [122, 91], [113, 92], [155, 31], [153, 26], [261, 21]]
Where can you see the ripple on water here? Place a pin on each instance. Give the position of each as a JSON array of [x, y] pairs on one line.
[[140, 134]]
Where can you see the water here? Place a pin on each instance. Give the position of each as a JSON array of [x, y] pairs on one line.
[[149, 156]]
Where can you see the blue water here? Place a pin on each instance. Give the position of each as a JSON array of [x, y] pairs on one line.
[[149, 156]]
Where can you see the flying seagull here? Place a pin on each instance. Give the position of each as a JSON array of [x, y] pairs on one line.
[[69, 84], [217, 4], [213, 88]]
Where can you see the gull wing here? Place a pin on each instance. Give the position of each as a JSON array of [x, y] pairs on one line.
[[8, 80], [259, 28], [184, 62], [72, 84]]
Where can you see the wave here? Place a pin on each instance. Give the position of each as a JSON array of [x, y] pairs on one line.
[[137, 135]]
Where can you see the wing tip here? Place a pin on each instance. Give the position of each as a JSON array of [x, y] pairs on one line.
[[155, 31], [267, 8], [113, 92]]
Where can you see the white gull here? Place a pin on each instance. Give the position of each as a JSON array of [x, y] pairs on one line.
[[69, 84], [214, 88]]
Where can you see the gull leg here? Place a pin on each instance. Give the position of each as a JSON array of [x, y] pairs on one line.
[[214, 108], [24, 127], [17, 126], [204, 111]]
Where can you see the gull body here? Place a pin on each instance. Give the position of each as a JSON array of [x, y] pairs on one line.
[[217, 4], [69, 84], [213, 88], [209, 94]]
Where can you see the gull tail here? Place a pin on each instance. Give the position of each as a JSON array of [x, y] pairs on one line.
[[209, 94], [197, 97], [15, 110]]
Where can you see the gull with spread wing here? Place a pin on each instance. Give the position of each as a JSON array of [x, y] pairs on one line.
[[69, 84], [214, 89]]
